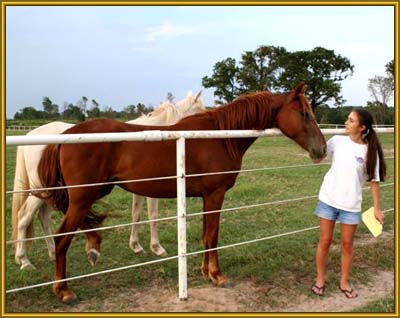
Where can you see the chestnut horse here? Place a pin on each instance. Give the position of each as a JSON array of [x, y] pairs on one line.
[[72, 164], [25, 207]]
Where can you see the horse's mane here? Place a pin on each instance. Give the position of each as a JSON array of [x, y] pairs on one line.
[[251, 111]]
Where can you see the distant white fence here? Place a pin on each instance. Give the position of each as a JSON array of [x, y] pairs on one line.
[[336, 126], [158, 135], [20, 128]]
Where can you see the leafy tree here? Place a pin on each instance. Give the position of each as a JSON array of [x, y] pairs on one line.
[[321, 69], [73, 112], [381, 90], [140, 109], [390, 72], [377, 112], [259, 69], [108, 112], [273, 68], [390, 68], [28, 113], [50, 109], [224, 80], [94, 103], [130, 111], [84, 99], [94, 111]]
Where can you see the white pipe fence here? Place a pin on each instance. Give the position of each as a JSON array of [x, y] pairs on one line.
[[158, 135], [155, 135]]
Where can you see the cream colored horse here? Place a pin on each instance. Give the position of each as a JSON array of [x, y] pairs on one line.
[[24, 206]]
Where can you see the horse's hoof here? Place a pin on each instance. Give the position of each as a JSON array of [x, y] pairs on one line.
[[226, 284], [137, 248], [18, 260], [27, 267], [158, 250], [93, 255], [220, 281], [204, 273], [70, 299]]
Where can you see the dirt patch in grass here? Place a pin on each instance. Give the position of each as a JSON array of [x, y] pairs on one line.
[[245, 296]]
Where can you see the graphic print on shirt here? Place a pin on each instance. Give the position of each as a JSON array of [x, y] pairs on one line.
[[359, 160]]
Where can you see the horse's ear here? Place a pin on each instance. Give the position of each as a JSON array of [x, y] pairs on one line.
[[301, 89], [189, 94], [198, 96]]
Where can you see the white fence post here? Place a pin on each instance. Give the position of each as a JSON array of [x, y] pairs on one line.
[[181, 202]]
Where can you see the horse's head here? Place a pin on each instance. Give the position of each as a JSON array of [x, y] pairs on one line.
[[297, 121], [191, 104], [165, 113]]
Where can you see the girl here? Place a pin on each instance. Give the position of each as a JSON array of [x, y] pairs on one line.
[[356, 158]]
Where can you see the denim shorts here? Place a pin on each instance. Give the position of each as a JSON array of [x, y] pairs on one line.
[[328, 212]]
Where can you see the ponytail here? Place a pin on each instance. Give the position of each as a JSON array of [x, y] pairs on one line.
[[374, 146]]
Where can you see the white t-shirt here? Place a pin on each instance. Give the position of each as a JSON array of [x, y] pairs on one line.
[[342, 185]]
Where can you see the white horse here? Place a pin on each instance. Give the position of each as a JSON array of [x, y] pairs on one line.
[[25, 206]]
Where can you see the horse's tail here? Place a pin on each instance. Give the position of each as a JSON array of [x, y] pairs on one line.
[[50, 175], [94, 218], [21, 182]]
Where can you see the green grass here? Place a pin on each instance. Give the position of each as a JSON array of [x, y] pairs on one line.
[[380, 305], [286, 262]]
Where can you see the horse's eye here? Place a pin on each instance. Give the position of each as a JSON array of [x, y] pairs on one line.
[[307, 115]]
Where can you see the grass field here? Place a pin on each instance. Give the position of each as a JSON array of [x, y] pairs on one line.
[[286, 262]]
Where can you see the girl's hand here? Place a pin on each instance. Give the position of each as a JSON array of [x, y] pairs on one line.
[[379, 216]]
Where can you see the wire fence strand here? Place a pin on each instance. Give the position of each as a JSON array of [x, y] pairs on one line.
[[167, 258], [31, 191], [175, 217]]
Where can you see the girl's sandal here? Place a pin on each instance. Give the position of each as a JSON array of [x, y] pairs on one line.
[[349, 293], [318, 290]]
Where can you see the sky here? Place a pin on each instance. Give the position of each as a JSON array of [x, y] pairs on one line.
[[122, 55]]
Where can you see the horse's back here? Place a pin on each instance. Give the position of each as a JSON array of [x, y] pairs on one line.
[[102, 125], [55, 127], [109, 161]]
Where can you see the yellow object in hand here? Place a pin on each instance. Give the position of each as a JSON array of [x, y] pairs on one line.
[[371, 222]]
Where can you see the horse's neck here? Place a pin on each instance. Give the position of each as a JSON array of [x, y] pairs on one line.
[[158, 120], [259, 112]]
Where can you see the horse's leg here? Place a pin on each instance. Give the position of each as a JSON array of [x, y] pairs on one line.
[[134, 244], [210, 266], [25, 218], [152, 210], [45, 221], [204, 263], [73, 218], [93, 242]]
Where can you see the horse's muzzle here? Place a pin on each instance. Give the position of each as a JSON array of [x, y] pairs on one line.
[[318, 153]]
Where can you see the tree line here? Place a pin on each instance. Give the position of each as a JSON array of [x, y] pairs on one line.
[[276, 69], [80, 111], [271, 68]]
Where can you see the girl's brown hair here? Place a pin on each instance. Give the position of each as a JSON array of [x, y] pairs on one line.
[[374, 146]]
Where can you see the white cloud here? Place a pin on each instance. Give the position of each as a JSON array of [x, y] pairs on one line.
[[167, 30]]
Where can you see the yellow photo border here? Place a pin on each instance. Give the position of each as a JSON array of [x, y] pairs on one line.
[[4, 4]]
